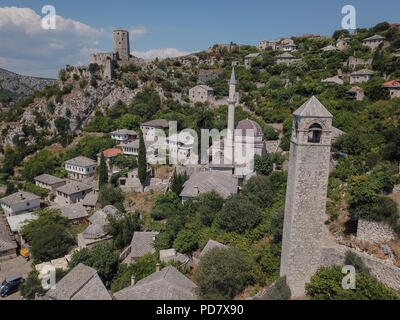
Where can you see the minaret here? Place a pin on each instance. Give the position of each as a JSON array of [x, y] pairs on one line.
[[306, 192], [231, 102]]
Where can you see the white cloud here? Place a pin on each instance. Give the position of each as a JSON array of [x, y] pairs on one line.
[[160, 53], [32, 50], [137, 31]]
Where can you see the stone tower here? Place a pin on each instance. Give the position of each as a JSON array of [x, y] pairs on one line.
[[121, 44], [305, 205]]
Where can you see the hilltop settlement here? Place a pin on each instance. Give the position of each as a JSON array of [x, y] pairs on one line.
[[106, 182]]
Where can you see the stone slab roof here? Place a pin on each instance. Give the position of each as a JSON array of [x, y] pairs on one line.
[[100, 216], [158, 123], [73, 187], [286, 55], [18, 221], [224, 184], [125, 132], [72, 211], [48, 179], [81, 283], [374, 37], [329, 48], [171, 254], [19, 197], [142, 243], [362, 72], [334, 79], [94, 231], [7, 241], [253, 55], [90, 199], [211, 244], [81, 161], [313, 108], [167, 284]]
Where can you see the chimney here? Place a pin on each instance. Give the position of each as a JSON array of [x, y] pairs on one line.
[[157, 267], [133, 280], [196, 190]]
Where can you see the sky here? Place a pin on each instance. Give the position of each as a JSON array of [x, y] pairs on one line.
[[160, 28]]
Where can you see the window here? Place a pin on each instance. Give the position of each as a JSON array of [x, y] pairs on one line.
[[314, 133]]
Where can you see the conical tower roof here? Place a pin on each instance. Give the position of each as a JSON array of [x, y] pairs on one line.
[[233, 79], [313, 108]]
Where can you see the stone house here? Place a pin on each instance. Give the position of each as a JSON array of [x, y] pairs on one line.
[[329, 48], [8, 246], [264, 44], [354, 62], [285, 58], [373, 42], [210, 74], [223, 183], [249, 57], [333, 80], [124, 135], [149, 128], [394, 88], [288, 45], [360, 76], [357, 93], [72, 212], [201, 93], [49, 182], [142, 243], [171, 255], [19, 202], [80, 167], [166, 284], [343, 43], [81, 283], [72, 192], [17, 222], [132, 148], [109, 155]]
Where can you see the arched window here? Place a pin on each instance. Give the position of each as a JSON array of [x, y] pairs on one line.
[[314, 133]]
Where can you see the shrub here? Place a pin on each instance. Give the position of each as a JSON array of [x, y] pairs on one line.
[[280, 290]]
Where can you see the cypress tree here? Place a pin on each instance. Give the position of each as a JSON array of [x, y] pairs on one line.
[[103, 171], [142, 162]]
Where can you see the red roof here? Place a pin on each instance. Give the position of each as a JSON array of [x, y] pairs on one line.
[[393, 83], [112, 152], [395, 25]]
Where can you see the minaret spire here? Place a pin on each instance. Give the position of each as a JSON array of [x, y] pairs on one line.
[[231, 114]]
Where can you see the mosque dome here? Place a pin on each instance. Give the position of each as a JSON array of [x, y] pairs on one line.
[[247, 124]]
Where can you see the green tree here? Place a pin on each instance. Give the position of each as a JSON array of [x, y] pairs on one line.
[[178, 181], [101, 257], [103, 171], [209, 205], [263, 164], [122, 228], [186, 241], [52, 242], [31, 286], [326, 284], [109, 194], [42, 162], [142, 161], [239, 214], [222, 274]]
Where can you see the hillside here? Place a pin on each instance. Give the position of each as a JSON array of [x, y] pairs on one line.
[[22, 85]]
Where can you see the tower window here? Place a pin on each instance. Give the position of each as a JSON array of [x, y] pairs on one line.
[[314, 133]]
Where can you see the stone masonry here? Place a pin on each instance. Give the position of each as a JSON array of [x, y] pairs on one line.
[[306, 195], [373, 231]]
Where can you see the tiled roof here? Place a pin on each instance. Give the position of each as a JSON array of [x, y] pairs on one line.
[[393, 83], [224, 184], [94, 231], [81, 161], [48, 179], [167, 284], [142, 243], [112, 152], [72, 187], [81, 283], [355, 89], [159, 123], [313, 108], [19, 197], [7, 241], [207, 88], [18, 221], [285, 55]]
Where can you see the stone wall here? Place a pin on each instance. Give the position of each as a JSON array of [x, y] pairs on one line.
[[373, 231], [380, 269]]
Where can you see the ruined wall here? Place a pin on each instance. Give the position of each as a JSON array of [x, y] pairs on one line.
[[380, 269], [373, 231]]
